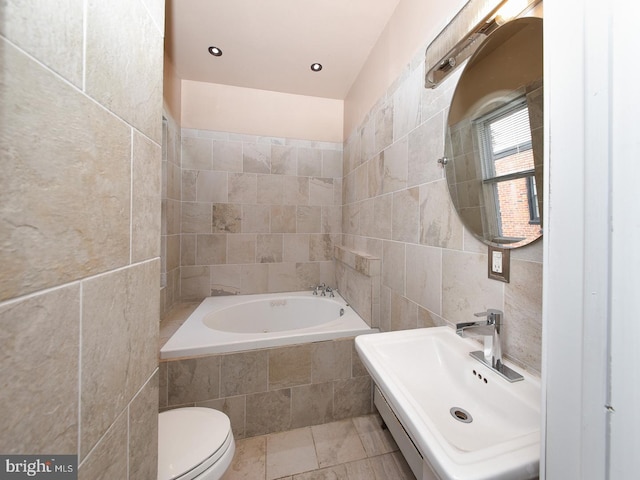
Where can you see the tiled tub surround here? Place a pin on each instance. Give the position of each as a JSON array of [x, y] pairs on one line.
[[259, 214], [269, 390], [396, 206]]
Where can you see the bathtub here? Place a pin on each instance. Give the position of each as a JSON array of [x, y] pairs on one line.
[[247, 322]]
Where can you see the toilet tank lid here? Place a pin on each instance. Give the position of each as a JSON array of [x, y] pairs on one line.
[[187, 437]]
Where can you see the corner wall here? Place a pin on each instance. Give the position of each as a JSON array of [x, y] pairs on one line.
[[81, 103], [396, 207]]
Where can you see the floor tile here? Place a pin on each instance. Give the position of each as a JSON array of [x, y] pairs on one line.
[[290, 452], [375, 439], [337, 442], [249, 461], [391, 466]]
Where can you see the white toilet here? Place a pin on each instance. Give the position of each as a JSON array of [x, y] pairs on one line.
[[194, 443]]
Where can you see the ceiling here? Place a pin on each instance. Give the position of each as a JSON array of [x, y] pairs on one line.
[[271, 44]]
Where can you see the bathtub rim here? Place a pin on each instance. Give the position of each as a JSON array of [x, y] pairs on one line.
[[174, 350]]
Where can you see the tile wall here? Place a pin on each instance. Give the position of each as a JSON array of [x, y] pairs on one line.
[[81, 103], [396, 206], [171, 208], [259, 214], [272, 390]]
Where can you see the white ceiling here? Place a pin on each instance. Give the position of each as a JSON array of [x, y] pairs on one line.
[[271, 44]]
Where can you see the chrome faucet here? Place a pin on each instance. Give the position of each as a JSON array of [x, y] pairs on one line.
[[490, 329]]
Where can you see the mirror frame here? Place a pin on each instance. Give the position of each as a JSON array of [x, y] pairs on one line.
[[484, 88]]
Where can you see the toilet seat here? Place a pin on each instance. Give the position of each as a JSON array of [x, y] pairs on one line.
[[190, 441]]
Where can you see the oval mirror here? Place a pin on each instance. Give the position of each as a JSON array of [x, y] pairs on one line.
[[494, 142]]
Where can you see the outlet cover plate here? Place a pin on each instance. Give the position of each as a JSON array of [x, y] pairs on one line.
[[496, 275]]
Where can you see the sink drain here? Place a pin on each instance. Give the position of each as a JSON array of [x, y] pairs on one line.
[[461, 415]]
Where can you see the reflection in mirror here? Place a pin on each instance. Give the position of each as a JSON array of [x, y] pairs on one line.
[[494, 147]]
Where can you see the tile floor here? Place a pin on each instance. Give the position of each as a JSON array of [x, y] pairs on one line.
[[352, 449]]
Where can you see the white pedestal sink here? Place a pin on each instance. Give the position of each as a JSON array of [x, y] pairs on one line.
[[463, 419]]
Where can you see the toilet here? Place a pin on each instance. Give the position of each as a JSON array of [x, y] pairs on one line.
[[194, 443]]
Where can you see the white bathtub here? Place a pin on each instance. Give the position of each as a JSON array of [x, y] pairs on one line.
[[247, 322]]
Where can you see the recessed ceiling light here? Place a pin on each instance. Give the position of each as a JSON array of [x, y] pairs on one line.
[[316, 67], [215, 51]]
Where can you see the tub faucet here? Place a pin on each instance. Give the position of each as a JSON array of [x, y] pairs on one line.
[[490, 329], [319, 289]]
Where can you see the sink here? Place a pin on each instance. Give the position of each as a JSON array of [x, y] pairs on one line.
[[465, 421]]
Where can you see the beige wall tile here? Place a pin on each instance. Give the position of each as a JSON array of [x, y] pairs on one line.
[[136, 49], [270, 189], [256, 158], [332, 163], [225, 279], [40, 345], [311, 404], [211, 187], [352, 397], [193, 380], [227, 156], [243, 373], [309, 162], [331, 360], [211, 249], [284, 160], [283, 218], [282, 277], [197, 153], [188, 185], [114, 367], [384, 125], [143, 431], [522, 321], [269, 248], [46, 238], [309, 219], [51, 32], [187, 250], [404, 313], [109, 459], [307, 274], [194, 283], [243, 188], [395, 167], [465, 289], [320, 247], [440, 225], [289, 367], [256, 219], [406, 215], [225, 218], [268, 412], [424, 276], [241, 248], [296, 190], [254, 278], [393, 265], [426, 144], [321, 191], [196, 217], [145, 222]]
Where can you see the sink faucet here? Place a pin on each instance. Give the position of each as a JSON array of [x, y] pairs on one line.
[[489, 328]]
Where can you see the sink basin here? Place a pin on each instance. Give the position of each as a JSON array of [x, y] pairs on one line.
[[464, 419]]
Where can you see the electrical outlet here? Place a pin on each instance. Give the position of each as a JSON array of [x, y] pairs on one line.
[[496, 262]]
